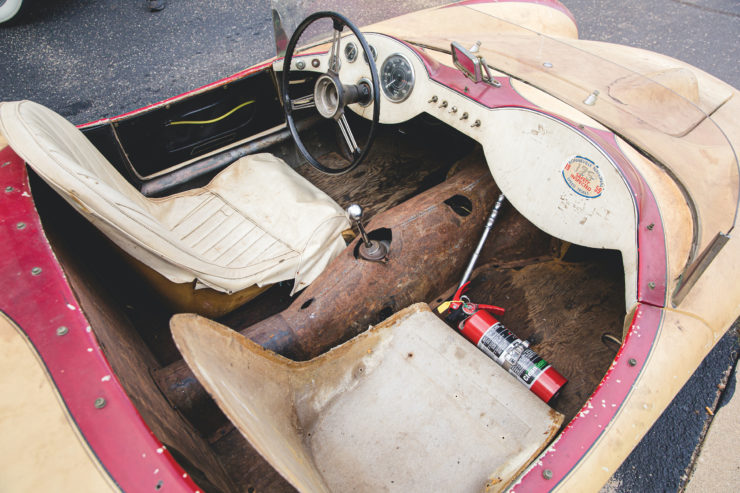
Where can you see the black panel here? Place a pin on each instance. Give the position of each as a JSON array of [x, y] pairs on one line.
[[103, 138], [156, 141]]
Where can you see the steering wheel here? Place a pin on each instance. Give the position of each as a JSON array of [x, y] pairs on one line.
[[330, 97]]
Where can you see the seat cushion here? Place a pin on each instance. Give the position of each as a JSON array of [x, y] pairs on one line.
[[260, 219], [409, 405], [257, 222]]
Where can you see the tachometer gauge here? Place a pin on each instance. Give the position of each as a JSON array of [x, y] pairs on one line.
[[397, 77], [350, 52]]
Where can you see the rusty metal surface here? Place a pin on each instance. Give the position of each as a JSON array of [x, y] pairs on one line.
[[430, 246]]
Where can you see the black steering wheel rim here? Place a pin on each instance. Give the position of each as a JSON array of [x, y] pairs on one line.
[[339, 21]]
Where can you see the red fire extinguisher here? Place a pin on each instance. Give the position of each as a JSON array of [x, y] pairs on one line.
[[478, 325]]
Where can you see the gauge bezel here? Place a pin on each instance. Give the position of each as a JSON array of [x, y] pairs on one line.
[[412, 72], [374, 52], [357, 52]]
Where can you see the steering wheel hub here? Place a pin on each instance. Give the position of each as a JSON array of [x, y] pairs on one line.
[[328, 95]]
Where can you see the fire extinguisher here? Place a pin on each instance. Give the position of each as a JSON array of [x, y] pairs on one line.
[[477, 323]]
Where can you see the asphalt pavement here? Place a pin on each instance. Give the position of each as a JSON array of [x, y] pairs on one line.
[[89, 59]]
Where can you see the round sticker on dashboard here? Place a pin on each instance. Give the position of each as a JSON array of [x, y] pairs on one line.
[[583, 176]]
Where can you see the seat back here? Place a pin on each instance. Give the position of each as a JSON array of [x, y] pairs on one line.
[[257, 222], [66, 160], [60, 153]]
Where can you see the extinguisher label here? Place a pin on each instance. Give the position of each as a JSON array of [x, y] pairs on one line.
[[529, 367], [510, 352], [496, 340]]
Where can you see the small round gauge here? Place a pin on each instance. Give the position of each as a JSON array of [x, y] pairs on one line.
[[397, 77], [373, 51], [350, 52]]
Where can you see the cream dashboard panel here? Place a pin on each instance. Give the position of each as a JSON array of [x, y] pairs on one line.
[[357, 70], [549, 171]]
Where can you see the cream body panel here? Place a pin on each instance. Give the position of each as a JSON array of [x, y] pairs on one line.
[[529, 170], [675, 133], [719, 312], [675, 214], [40, 446], [496, 17]]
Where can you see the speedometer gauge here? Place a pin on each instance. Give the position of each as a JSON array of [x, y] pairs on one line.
[[397, 77]]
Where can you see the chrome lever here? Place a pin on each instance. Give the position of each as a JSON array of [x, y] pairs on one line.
[[375, 251]]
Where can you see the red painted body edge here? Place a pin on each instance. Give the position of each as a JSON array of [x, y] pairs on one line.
[[582, 433], [221, 82], [555, 4], [584, 430], [38, 298]]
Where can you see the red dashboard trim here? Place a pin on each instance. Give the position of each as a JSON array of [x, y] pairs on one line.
[[561, 457]]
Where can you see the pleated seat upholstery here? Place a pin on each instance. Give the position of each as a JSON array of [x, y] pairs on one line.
[[257, 222]]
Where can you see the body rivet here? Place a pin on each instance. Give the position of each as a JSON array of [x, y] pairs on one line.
[[8, 189], [20, 226], [300, 65], [62, 330], [651, 285], [36, 271], [632, 362], [547, 474], [99, 403], [650, 226], [315, 63]]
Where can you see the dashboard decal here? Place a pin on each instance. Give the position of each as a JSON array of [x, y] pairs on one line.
[[583, 176]]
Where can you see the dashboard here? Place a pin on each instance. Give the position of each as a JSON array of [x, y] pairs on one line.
[[402, 74], [530, 150]]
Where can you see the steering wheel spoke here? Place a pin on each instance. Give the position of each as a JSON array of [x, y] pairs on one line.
[[303, 102], [336, 41], [332, 96], [349, 137]]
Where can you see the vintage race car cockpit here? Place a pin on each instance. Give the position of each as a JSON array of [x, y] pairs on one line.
[[302, 226]]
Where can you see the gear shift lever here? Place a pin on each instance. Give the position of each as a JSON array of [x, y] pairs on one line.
[[375, 251]]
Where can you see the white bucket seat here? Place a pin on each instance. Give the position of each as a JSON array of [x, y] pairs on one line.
[[257, 222], [409, 405]]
